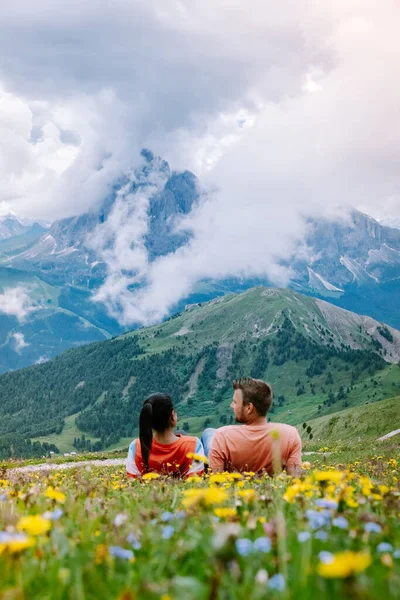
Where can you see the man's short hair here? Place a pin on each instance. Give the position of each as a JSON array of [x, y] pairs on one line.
[[256, 391]]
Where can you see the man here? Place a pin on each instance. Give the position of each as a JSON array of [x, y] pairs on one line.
[[256, 445]]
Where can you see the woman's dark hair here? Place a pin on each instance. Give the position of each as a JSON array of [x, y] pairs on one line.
[[155, 414]]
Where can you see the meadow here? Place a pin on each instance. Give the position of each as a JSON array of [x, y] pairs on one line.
[[89, 533]]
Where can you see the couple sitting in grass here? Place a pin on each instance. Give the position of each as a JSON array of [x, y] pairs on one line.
[[256, 446]]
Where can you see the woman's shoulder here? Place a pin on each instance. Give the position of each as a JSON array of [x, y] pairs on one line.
[[133, 446], [193, 442]]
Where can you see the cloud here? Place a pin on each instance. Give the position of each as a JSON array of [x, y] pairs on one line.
[[20, 343], [15, 302], [283, 110], [96, 81]]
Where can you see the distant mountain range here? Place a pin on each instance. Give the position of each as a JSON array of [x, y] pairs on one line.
[[356, 265], [319, 359]]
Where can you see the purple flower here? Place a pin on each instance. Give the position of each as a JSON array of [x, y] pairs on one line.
[[168, 532], [263, 544], [277, 582], [119, 552], [243, 546]]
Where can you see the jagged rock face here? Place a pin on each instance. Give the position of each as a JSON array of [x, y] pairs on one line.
[[361, 251], [64, 255]]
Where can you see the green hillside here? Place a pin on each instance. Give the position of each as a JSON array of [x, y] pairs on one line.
[[368, 421], [318, 358]]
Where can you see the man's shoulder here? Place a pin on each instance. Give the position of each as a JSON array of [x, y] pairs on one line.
[[227, 431], [283, 428]]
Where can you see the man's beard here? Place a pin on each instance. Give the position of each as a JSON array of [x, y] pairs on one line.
[[240, 418]]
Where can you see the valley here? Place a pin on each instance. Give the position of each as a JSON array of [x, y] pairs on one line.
[[319, 359]]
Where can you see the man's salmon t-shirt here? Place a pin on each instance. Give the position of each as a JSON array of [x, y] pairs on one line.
[[255, 447], [168, 459]]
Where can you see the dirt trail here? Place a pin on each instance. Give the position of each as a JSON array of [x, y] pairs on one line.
[[388, 435]]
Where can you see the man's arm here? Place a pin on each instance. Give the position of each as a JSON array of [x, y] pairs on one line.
[[216, 458], [293, 463], [294, 470]]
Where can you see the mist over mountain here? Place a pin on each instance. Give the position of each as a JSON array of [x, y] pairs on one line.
[[69, 275]]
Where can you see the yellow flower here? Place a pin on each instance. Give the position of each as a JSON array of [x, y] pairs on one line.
[[55, 494], [344, 564], [150, 476], [366, 485], [17, 543], [197, 457], [334, 476], [247, 495], [34, 524], [101, 554], [219, 478], [206, 496], [194, 479], [225, 513]]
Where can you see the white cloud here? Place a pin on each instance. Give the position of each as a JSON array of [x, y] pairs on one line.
[[316, 87], [15, 302], [20, 343]]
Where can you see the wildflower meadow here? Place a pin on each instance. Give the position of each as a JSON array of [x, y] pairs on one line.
[[89, 533]]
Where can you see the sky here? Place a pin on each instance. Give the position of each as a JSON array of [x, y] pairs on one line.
[[283, 110]]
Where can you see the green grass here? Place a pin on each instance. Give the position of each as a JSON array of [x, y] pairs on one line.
[[64, 440], [366, 422], [123, 540]]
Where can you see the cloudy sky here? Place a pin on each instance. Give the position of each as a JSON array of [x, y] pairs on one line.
[[282, 109]]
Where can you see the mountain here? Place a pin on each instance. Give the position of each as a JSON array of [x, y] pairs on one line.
[[355, 264], [65, 255], [62, 261], [391, 222], [319, 359]]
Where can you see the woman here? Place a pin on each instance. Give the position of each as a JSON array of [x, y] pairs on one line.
[[158, 448]]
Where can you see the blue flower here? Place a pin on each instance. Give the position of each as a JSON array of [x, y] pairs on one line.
[[372, 527], [326, 503], [303, 536], [263, 544], [340, 522], [132, 539], [326, 557], [243, 546], [321, 535], [168, 532], [316, 519], [55, 515], [3, 497], [180, 514], [277, 582], [166, 516], [119, 552], [384, 547], [396, 554]]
